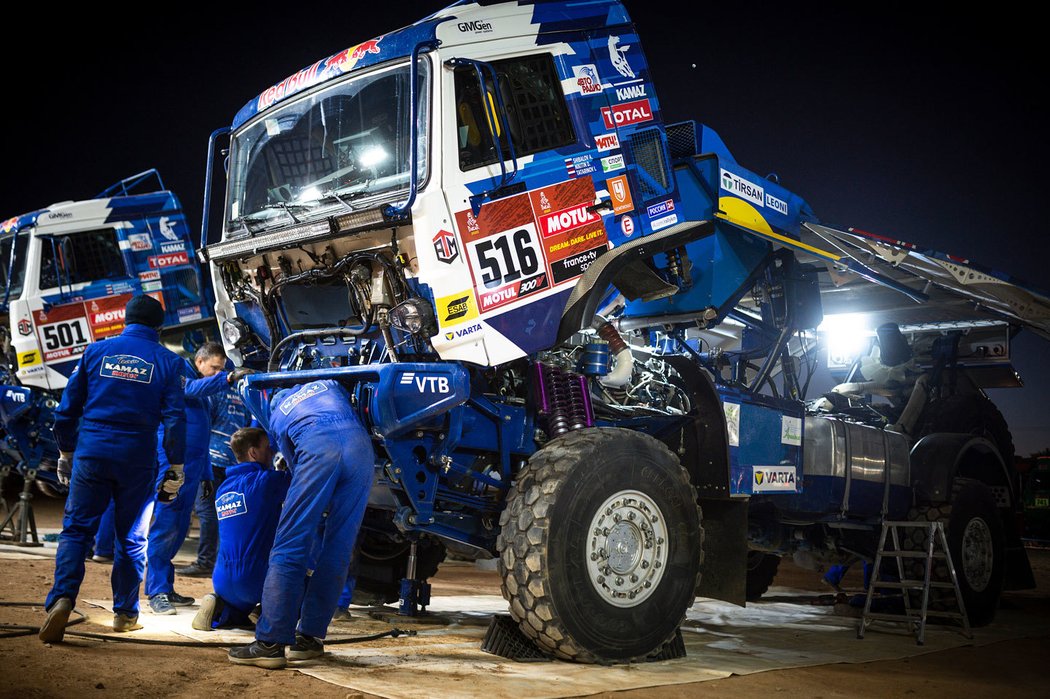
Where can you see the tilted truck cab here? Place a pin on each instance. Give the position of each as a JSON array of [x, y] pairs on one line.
[[580, 336]]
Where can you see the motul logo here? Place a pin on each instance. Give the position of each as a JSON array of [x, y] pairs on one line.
[[627, 114], [108, 316], [566, 220]]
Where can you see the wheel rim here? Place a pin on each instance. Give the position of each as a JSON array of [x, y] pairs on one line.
[[977, 554], [627, 550]]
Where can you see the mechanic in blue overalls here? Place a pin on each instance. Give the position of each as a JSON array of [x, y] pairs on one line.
[[248, 503], [123, 388], [229, 414], [205, 377], [331, 459]]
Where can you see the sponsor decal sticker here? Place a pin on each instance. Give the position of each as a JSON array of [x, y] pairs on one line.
[[446, 247], [791, 430], [660, 208], [167, 229], [480, 26], [575, 265], [772, 479], [620, 193], [732, 413], [152, 286], [424, 383], [27, 359], [627, 113], [612, 163], [170, 248], [778, 205], [607, 141], [127, 367], [454, 334], [618, 56], [140, 241], [630, 92], [567, 220], [149, 276], [627, 226], [457, 308], [173, 260], [305, 393], [742, 188], [190, 313], [25, 327], [587, 79], [230, 505], [659, 224]]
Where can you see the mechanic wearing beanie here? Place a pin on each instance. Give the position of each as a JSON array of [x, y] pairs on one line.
[[120, 391]]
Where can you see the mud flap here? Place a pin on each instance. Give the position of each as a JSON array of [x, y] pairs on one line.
[[723, 575]]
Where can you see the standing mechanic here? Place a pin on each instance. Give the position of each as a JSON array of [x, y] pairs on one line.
[[229, 414], [204, 378], [330, 456], [248, 503], [123, 388]]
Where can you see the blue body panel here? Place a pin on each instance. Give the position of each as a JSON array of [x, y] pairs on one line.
[[765, 442]]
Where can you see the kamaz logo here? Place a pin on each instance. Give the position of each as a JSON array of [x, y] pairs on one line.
[[425, 384], [127, 367], [478, 27], [630, 92]]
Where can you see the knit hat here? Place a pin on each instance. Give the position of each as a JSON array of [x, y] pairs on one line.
[[144, 310]]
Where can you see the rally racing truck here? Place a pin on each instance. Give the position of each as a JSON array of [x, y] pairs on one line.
[[66, 273], [581, 337]]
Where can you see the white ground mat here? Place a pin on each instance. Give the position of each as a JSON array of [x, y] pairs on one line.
[[721, 639]]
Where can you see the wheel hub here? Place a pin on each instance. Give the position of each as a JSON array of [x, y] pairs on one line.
[[977, 554], [627, 548]]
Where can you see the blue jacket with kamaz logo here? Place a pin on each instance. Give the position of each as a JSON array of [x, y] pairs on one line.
[[123, 388], [229, 414], [198, 421], [294, 412]]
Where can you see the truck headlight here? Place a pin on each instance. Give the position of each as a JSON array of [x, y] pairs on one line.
[[413, 316], [235, 332]]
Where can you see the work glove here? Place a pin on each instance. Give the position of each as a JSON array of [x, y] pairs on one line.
[[170, 484], [208, 488], [65, 467], [239, 373]]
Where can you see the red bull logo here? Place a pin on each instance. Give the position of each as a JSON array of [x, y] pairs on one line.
[[344, 61], [290, 85], [9, 225]]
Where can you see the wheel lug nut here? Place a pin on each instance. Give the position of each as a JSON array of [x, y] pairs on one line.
[[630, 516], [634, 578], [601, 580], [632, 595], [656, 564], [655, 519], [659, 541], [594, 557], [616, 517], [597, 531], [645, 564], [619, 581], [648, 584]]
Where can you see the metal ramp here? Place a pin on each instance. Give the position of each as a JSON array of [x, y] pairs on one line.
[[936, 550]]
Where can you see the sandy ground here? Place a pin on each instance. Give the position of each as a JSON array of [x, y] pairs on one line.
[[94, 668]]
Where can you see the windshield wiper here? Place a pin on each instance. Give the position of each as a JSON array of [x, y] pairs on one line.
[[242, 221], [287, 208]]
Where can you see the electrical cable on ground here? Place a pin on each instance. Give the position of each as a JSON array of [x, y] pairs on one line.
[[21, 630]]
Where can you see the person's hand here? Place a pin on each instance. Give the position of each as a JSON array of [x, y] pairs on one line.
[[239, 373], [65, 467], [208, 488], [170, 484]]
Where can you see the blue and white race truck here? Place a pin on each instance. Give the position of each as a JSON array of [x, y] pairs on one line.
[[582, 337], [66, 273]]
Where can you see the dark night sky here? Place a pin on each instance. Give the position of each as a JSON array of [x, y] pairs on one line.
[[925, 127]]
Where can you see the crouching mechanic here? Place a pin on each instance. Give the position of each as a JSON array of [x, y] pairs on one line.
[[123, 388], [331, 459], [204, 377], [248, 504]]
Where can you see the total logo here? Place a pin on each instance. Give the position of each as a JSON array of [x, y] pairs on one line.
[[424, 383], [172, 260], [627, 113]]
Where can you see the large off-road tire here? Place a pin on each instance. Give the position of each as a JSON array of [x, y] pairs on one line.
[[600, 546], [976, 543], [381, 565], [761, 569], [970, 413]]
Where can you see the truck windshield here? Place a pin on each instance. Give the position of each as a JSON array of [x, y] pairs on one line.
[[346, 140], [18, 274]]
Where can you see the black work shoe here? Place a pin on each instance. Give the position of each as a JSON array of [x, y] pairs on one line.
[[194, 571], [305, 648], [54, 628], [211, 606], [178, 600], [259, 654], [160, 604]]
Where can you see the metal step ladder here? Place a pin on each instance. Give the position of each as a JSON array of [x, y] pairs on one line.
[[936, 549]]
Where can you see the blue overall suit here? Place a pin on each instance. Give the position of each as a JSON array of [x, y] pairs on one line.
[[248, 504], [228, 415], [172, 521], [331, 459], [123, 387]]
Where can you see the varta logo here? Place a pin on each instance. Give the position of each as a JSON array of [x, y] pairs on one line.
[[462, 333]]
